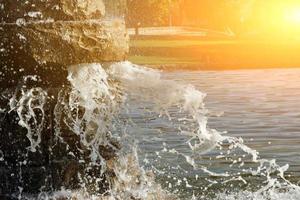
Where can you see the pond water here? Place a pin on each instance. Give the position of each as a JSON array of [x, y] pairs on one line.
[[260, 106]]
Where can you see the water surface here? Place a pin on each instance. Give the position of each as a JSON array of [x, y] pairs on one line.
[[261, 106]]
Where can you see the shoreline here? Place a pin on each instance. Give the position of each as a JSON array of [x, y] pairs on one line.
[[188, 67]]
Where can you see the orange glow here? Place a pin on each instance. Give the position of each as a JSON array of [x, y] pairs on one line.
[[228, 34], [278, 18], [265, 18]]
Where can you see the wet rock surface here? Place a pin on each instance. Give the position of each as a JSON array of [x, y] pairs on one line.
[[11, 11], [68, 43], [57, 162], [40, 39], [43, 37]]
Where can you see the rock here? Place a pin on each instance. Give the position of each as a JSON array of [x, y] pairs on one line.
[[83, 9], [65, 10], [41, 38], [56, 163], [69, 43], [39, 35]]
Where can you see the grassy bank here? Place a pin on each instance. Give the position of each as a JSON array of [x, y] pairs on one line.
[[213, 54]]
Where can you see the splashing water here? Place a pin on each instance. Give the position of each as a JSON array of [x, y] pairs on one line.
[[166, 94], [95, 108], [30, 108]]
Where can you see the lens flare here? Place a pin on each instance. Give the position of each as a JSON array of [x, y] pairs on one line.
[[293, 16]]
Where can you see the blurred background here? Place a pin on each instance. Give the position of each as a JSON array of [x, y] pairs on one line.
[[214, 34]]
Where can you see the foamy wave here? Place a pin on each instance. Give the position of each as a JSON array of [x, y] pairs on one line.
[[91, 107]]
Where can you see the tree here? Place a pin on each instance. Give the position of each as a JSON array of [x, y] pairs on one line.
[[147, 13]]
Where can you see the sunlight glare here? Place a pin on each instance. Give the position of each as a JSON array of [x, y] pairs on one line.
[[293, 16]]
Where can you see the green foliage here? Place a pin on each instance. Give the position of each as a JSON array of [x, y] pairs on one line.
[[148, 12]]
